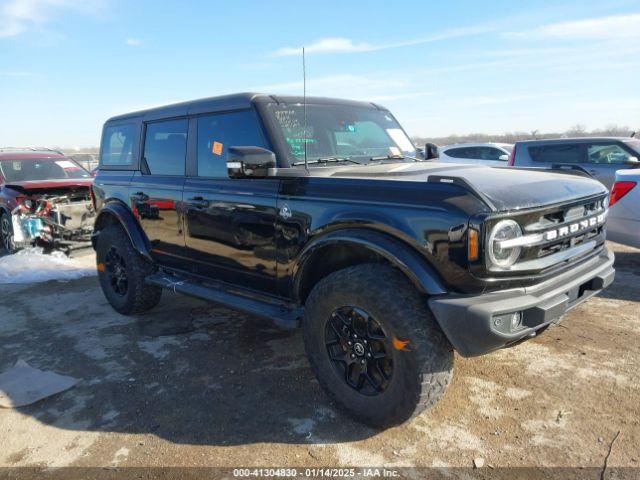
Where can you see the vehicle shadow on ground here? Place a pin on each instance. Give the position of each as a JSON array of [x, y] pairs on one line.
[[625, 285], [188, 371]]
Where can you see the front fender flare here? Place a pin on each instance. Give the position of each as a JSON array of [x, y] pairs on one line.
[[398, 253], [124, 216]]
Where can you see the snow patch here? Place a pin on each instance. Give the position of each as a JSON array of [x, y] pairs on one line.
[[32, 266]]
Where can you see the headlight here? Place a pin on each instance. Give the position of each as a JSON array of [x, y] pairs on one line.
[[501, 258]]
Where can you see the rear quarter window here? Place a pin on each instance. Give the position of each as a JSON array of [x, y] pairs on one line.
[[557, 153], [118, 143]]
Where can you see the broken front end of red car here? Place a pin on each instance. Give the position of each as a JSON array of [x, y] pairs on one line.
[[54, 216]]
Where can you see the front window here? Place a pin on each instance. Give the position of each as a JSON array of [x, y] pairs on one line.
[[30, 169], [339, 131], [607, 153]]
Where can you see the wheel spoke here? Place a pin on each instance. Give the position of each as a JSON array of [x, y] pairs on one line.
[[348, 372], [376, 386], [362, 376], [342, 318], [371, 333], [339, 356], [380, 369], [339, 333]]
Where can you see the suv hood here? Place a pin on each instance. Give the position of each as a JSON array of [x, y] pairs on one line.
[[502, 188], [39, 186]]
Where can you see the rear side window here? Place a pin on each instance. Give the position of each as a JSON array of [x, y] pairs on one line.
[[117, 145], [165, 147], [465, 152], [218, 132], [557, 153]]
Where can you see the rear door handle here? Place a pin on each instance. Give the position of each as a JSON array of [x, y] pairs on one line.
[[140, 196], [198, 202]]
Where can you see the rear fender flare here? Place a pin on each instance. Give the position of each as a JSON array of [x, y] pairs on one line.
[[396, 252], [124, 216]]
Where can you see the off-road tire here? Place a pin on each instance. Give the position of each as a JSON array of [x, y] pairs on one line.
[[5, 223], [422, 369], [139, 296]]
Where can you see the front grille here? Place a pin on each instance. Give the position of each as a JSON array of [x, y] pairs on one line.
[[560, 234]]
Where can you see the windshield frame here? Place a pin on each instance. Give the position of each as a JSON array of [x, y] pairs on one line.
[[7, 180], [283, 154]]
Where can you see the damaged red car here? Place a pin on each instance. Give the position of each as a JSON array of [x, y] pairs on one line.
[[45, 200]]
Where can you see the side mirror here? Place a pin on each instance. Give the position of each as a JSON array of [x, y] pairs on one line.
[[503, 157], [249, 162], [430, 151], [633, 161]]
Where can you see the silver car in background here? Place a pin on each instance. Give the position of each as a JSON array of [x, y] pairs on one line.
[[623, 224], [491, 154], [600, 157]]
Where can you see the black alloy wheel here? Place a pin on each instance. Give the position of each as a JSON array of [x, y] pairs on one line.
[[116, 271], [359, 349]]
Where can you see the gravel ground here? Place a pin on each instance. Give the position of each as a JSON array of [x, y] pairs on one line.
[[192, 384]]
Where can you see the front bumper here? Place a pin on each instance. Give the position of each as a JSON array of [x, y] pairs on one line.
[[468, 321]]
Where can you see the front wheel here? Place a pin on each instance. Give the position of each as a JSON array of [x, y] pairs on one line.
[[374, 345]]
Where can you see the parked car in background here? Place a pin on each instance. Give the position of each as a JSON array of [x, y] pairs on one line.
[[492, 154], [89, 161], [624, 212], [44, 199], [600, 157]]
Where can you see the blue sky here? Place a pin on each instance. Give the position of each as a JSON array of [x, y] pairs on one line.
[[441, 67]]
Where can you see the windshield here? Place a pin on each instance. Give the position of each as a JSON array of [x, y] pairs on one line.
[[340, 131], [24, 170]]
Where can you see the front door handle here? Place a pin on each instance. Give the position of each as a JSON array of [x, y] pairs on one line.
[[198, 202]]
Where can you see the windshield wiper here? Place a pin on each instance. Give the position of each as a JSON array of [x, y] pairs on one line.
[[328, 160], [394, 157]]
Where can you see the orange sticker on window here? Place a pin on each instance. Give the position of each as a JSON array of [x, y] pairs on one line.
[[217, 148]]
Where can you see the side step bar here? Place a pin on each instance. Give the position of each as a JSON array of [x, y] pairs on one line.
[[279, 313]]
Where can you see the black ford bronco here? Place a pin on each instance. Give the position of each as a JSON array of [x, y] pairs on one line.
[[322, 213]]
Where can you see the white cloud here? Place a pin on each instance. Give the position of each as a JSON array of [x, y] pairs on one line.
[[346, 45], [326, 45], [356, 87], [133, 42], [330, 84], [18, 16], [607, 28]]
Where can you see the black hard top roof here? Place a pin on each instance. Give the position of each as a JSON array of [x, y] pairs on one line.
[[234, 101]]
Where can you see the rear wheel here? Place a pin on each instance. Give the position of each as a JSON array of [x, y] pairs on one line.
[[374, 345], [6, 233], [122, 272]]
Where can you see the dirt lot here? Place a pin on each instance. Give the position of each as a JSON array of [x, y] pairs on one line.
[[198, 385]]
